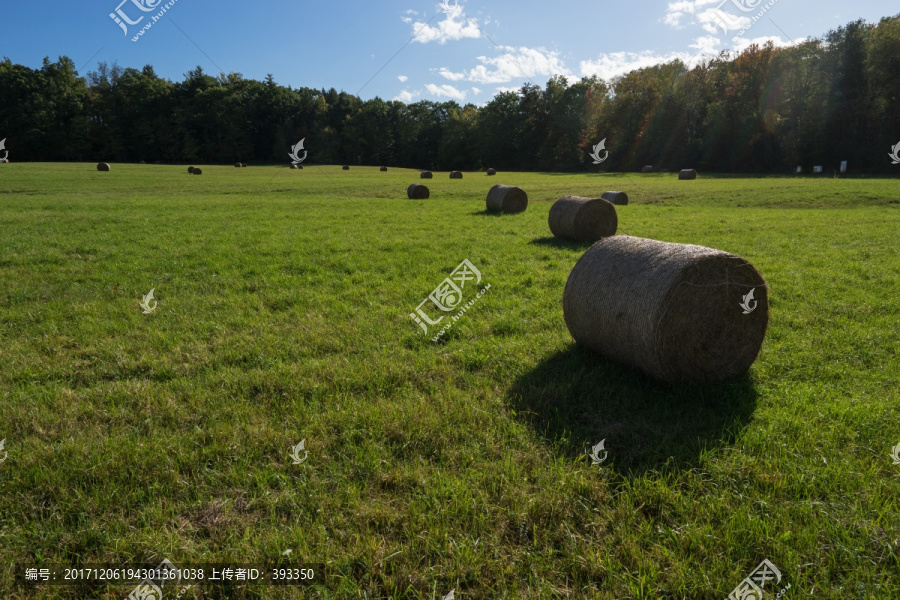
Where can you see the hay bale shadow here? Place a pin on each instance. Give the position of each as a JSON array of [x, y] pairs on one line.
[[576, 398]]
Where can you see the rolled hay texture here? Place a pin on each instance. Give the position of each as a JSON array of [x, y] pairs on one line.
[[426, 175], [103, 166], [620, 198], [383, 169], [675, 311], [583, 219], [346, 167], [190, 169], [687, 174], [238, 165], [455, 174], [197, 171], [417, 191], [647, 169], [491, 172], [507, 198]]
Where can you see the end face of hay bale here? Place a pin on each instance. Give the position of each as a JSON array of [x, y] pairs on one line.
[[687, 174], [455, 174], [198, 172], [426, 175], [190, 169], [620, 198], [238, 165], [583, 219], [507, 198], [346, 167], [647, 169], [491, 172], [417, 191], [678, 312], [103, 166], [383, 169]]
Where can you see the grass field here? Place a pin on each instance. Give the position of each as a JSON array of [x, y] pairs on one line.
[[283, 314]]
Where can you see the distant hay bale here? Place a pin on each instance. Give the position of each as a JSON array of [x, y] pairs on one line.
[[491, 172], [687, 174], [647, 169], [298, 166], [238, 165], [583, 219], [383, 169], [417, 191], [678, 312], [293, 166], [142, 163], [426, 175], [245, 164], [103, 166], [620, 198], [507, 198], [346, 167], [455, 174], [197, 171], [190, 169]]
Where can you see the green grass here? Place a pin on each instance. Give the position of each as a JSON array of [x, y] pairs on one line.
[[284, 301]]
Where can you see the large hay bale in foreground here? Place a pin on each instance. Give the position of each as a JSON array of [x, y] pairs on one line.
[[647, 169], [491, 172], [620, 198], [687, 174], [426, 175], [190, 169], [103, 166], [507, 198], [583, 219], [455, 174], [417, 191], [678, 312], [197, 171]]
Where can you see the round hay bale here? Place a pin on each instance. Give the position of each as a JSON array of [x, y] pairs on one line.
[[238, 165], [142, 163], [507, 198], [245, 164], [197, 171], [583, 219], [678, 312], [190, 169], [346, 167], [687, 174], [647, 169], [383, 169], [103, 166], [491, 172], [620, 198], [426, 175], [455, 174], [417, 191], [293, 166]]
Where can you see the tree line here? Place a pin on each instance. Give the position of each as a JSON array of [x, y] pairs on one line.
[[766, 109]]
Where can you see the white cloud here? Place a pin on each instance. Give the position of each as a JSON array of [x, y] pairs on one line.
[[713, 20], [455, 26], [445, 90], [448, 74], [406, 96], [501, 89], [610, 65], [403, 78], [675, 11], [514, 63], [476, 90], [706, 44]]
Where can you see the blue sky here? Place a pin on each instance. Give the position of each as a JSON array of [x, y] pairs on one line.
[[466, 50]]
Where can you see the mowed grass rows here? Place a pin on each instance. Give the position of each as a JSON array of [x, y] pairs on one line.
[[284, 300]]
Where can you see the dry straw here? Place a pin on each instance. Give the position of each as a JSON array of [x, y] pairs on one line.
[[491, 172], [687, 174], [620, 198], [583, 219], [455, 174], [507, 198], [103, 166], [426, 175], [675, 311], [647, 169], [417, 191]]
